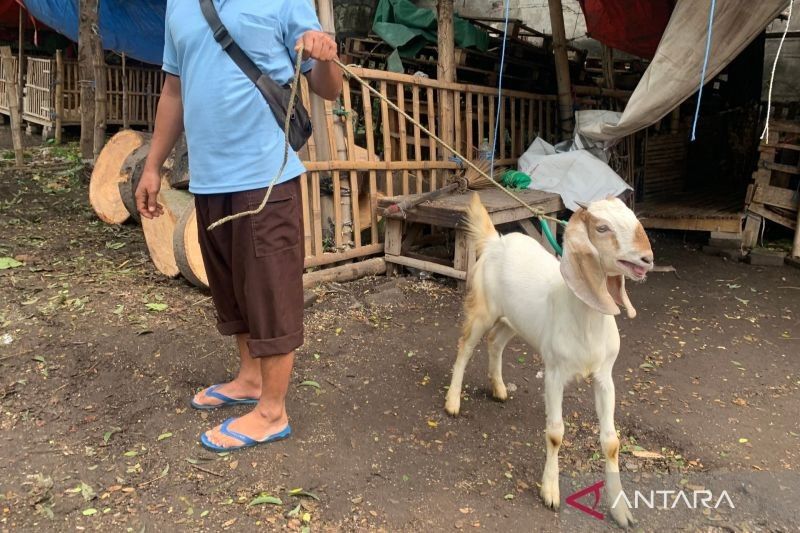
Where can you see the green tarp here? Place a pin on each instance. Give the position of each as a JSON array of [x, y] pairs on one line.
[[408, 28]]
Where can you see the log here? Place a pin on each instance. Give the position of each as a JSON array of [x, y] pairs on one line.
[[187, 249], [370, 267], [104, 186], [158, 232], [178, 176]]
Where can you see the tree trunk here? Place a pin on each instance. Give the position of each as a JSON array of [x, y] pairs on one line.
[[187, 249], [101, 82], [12, 95], [159, 231], [111, 169], [565, 110], [87, 24], [445, 70]]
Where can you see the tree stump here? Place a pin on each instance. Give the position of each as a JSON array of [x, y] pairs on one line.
[[187, 249], [159, 231], [109, 171]]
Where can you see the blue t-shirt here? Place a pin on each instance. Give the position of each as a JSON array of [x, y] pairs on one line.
[[235, 143]]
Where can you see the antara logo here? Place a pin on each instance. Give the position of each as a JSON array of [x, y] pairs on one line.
[[653, 499]]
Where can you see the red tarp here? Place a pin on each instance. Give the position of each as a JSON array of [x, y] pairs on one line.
[[633, 26]]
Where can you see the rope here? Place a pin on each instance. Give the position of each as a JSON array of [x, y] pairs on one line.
[[765, 133], [705, 66], [500, 88], [537, 212], [287, 121]]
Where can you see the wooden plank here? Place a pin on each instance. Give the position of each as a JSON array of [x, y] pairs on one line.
[[316, 213], [514, 131], [502, 132], [470, 141], [776, 196], [391, 165], [491, 121], [771, 215], [393, 241], [465, 255], [59, 95], [12, 97], [427, 266], [481, 120], [459, 131], [789, 169], [308, 238], [433, 146], [417, 134], [729, 225], [351, 148], [373, 180], [401, 121], [328, 258]]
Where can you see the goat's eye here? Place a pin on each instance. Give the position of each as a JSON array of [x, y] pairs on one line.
[[603, 229]]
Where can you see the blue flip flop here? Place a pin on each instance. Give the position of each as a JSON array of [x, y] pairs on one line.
[[227, 401], [247, 442]]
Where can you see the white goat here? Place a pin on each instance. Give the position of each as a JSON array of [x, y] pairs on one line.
[[566, 314]]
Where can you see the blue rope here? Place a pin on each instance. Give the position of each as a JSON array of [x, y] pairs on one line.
[[705, 66], [500, 87]]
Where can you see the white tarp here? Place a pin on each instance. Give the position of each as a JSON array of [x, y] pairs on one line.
[[577, 175], [674, 74]]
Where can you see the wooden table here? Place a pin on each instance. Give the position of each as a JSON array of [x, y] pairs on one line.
[[449, 212]]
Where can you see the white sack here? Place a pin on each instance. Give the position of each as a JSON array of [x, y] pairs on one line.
[[577, 175]]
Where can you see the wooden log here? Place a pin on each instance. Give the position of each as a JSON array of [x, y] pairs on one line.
[[159, 231], [100, 94], [186, 246], [178, 175], [59, 95], [370, 267], [445, 69], [87, 21], [104, 192]]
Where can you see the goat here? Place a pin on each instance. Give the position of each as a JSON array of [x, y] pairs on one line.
[[565, 312]]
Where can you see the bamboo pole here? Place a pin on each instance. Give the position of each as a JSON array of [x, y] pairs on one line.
[[21, 60], [59, 95], [445, 68], [565, 110], [87, 21], [12, 94], [126, 119]]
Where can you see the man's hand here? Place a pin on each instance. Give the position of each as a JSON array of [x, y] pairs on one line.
[[317, 45], [147, 194]]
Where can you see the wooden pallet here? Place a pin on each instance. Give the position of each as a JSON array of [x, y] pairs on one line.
[[705, 210], [773, 195]]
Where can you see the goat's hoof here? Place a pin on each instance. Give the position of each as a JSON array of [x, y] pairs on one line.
[[550, 496], [452, 405], [500, 393], [622, 515]]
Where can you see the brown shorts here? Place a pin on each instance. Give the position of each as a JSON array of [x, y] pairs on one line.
[[255, 266]]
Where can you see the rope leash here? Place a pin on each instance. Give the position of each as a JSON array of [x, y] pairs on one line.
[[537, 212]]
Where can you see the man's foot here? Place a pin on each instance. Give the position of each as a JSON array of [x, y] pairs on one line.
[[253, 425], [237, 391]]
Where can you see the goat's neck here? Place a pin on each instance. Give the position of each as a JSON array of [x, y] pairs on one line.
[[580, 311]]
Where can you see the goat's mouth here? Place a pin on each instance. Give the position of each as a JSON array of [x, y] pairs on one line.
[[638, 272]]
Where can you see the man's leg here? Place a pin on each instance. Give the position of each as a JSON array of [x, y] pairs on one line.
[[269, 416], [246, 384]]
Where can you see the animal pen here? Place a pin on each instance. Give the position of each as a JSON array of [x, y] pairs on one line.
[[51, 94]]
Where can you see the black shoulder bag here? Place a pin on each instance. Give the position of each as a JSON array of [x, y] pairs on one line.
[[277, 97]]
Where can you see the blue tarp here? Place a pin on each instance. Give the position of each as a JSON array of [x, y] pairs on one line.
[[135, 27]]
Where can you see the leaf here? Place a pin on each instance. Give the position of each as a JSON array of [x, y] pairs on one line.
[[165, 471], [91, 511], [508, 497], [192, 461], [646, 366], [310, 383], [204, 514], [39, 358], [115, 245], [119, 309], [156, 307], [76, 490], [87, 492], [644, 454], [131, 453], [263, 499], [743, 440], [108, 434], [164, 436], [9, 262], [433, 424], [303, 493], [306, 517], [294, 512]]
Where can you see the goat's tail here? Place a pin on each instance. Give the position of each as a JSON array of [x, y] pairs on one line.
[[479, 226]]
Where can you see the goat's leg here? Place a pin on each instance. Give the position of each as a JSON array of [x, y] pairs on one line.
[[604, 403], [474, 328], [553, 396], [499, 336]]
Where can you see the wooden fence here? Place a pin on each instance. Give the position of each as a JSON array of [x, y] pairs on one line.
[[381, 153], [133, 90]]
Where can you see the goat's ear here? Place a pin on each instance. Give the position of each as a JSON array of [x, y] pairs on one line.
[[581, 268], [616, 288]]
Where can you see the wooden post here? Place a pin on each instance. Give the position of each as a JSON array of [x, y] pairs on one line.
[[796, 247], [445, 69], [87, 22], [12, 94], [126, 119], [100, 94], [59, 95], [21, 64], [565, 110]]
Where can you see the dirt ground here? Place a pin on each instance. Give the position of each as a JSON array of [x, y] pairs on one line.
[[95, 382]]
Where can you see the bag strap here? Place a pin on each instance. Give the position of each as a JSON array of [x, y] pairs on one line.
[[235, 52]]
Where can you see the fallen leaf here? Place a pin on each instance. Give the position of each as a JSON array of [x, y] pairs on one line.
[[465, 510], [164, 436], [740, 401], [9, 262], [743, 440], [229, 523], [310, 383], [39, 358], [233, 465], [303, 493], [204, 514], [433, 423], [644, 454], [156, 307], [265, 499], [131, 453], [91, 511], [87, 492], [508, 497]]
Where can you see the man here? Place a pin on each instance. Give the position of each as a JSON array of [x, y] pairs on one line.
[[254, 264]]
